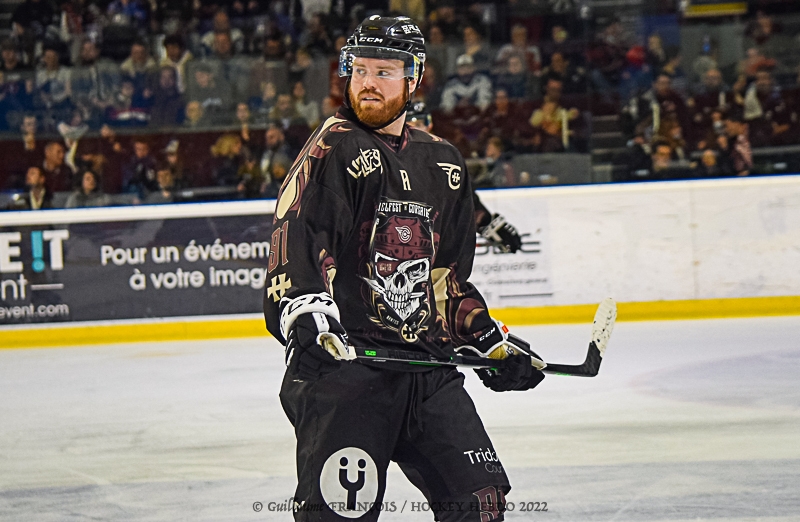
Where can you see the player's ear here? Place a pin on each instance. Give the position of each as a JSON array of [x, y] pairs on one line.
[[412, 86]]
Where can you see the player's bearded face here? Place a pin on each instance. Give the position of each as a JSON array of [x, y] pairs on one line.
[[377, 101]]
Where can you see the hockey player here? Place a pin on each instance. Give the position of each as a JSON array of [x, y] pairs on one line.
[[492, 227], [372, 244]]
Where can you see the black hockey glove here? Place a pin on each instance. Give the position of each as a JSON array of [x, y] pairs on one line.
[[501, 233], [518, 371], [306, 358], [517, 374]]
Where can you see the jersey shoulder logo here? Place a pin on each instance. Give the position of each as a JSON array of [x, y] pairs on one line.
[[453, 174], [367, 162]]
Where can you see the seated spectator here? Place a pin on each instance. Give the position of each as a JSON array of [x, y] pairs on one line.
[[712, 95], [515, 80], [165, 188], [552, 118], [467, 88], [21, 153], [437, 52], [229, 157], [222, 47], [89, 194], [655, 54], [294, 126], [502, 120], [307, 109], [275, 145], [11, 62], [767, 112], [519, 46], [177, 56], [661, 158], [213, 93], [573, 79], [222, 24], [94, 81], [167, 109], [262, 105], [552, 125], [16, 87], [474, 47], [194, 115], [678, 78], [606, 58], [131, 13], [573, 49], [278, 168], [30, 22], [315, 38], [736, 143], [671, 133], [139, 172], [713, 164], [60, 177], [652, 107], [271, 68], [500, 171], [53, 88], [129, 108], [139, 67], [36, 197], [174, 162]]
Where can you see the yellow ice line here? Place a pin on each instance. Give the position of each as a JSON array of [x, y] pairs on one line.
[[183, 330]]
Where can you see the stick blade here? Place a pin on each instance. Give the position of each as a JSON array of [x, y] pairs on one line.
[[603, 325]]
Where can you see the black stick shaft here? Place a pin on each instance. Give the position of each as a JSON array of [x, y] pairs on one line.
[[587, 369]]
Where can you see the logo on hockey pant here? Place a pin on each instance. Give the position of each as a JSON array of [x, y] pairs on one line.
[[349, 482], [399, 267], [453, 174], [492, 502]]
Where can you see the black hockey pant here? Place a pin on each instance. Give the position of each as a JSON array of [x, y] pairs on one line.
[[351, 423]]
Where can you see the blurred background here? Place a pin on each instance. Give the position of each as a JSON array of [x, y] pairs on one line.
[[137, 102]]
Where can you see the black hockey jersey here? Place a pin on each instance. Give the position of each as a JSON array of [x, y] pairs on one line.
[[389, 235]]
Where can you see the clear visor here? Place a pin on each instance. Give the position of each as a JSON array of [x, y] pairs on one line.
[[380, 62]]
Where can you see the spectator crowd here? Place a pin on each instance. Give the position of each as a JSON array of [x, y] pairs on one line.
[[127, 101]]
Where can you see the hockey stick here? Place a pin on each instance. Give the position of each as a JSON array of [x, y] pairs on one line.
[[602, 326]]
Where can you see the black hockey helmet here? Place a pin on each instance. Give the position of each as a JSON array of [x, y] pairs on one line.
[[388, 38], [419, 112]]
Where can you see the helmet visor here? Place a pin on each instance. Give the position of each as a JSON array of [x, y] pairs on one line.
[[381, 62]]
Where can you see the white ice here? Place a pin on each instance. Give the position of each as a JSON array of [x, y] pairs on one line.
[[688, 420]]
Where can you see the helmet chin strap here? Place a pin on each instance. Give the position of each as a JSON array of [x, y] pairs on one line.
[[403, 110]]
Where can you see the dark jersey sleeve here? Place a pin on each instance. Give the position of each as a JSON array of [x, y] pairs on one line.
[[482, 215], [464, 309], [313, 219]]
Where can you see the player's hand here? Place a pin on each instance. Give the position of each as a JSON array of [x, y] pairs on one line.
[[502, 234], [517, 374], [521, 366], [311, 340]]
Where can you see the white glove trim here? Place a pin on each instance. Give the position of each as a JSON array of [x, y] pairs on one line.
[[305, 304]]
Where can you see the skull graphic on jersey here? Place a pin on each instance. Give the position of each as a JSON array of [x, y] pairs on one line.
[[399, 266]]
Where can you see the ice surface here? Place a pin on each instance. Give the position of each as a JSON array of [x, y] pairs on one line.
[[688, 420]]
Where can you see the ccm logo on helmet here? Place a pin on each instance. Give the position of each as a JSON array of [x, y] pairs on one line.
[[370, 39]]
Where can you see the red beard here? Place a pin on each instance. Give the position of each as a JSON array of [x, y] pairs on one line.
[[377, 115]]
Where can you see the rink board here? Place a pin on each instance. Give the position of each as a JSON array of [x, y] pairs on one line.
[[671, 250]]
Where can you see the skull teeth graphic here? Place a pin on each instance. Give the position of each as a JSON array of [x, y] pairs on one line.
[[397, 289]]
